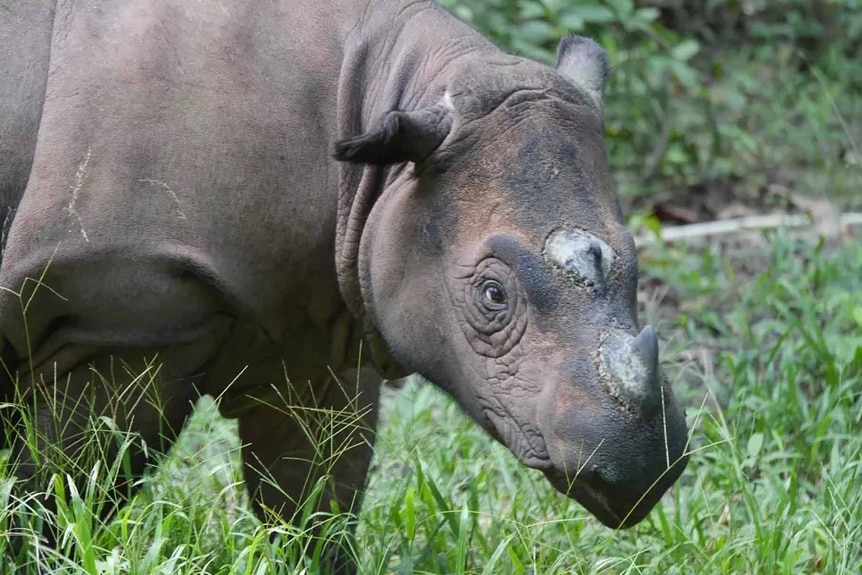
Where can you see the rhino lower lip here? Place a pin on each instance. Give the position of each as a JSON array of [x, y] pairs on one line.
[[596, 503]]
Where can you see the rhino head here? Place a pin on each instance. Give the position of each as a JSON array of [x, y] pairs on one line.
[[495, 262]]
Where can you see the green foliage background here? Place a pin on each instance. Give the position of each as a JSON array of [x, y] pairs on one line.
[[712, 92]]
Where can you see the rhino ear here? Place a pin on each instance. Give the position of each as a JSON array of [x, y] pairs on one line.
[[585, 64], [400, 137]]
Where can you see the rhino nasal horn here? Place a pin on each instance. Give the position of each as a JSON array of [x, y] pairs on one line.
[[630, 369], [646, 345]]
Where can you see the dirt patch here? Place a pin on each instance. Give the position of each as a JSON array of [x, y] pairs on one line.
[[720, 200]]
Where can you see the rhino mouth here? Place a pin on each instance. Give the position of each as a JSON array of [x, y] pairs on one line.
[[617, 516]]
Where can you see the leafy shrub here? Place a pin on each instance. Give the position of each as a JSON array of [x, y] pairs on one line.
[[651, 66], [700, 91]]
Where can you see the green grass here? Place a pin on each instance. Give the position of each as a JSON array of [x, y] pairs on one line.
[[771, 372]]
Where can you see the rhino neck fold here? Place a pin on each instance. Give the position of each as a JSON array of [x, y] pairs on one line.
[[378, 77]]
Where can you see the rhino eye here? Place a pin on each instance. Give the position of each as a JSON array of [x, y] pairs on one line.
[[488, 299], [494, 294]]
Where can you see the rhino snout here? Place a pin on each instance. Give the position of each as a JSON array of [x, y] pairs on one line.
[[614, 462], [629, 368]]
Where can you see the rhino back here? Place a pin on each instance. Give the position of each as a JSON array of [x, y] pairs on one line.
[[182, 139]]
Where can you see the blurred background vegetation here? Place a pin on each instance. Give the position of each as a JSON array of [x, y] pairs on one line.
[[712, 101]]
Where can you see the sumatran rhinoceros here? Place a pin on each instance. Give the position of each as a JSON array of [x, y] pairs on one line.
[[287, 202]]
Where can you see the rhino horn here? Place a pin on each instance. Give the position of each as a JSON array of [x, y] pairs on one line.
[[646, 345]]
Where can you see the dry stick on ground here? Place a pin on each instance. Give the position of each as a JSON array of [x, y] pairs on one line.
[[750, 223]]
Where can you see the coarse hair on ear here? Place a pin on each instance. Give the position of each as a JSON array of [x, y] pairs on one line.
[[400, 137], [585, 64]]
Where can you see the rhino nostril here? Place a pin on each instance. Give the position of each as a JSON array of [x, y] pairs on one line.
[[600, 475]]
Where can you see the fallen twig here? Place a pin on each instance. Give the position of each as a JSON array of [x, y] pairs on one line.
[[749, 223]]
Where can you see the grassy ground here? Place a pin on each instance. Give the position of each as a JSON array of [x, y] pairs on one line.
[[770, 370]]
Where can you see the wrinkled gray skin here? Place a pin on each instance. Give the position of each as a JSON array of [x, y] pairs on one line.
[[184, 201]]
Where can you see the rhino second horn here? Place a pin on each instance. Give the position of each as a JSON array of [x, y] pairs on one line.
[[646, 345]]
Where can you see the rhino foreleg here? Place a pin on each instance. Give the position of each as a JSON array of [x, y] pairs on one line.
[[109, 417], [310, 447]]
